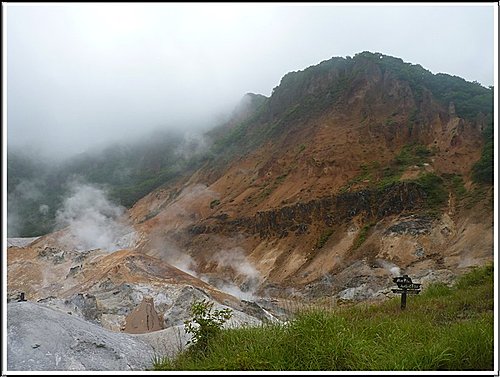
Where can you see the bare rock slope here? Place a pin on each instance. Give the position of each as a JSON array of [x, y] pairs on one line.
[[45, 339]]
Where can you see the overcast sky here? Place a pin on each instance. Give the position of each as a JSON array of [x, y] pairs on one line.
[[80, 74]]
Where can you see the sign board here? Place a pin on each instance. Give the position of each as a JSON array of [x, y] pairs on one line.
[[405, 287], [409, 286], [402, 280], [411, 292]]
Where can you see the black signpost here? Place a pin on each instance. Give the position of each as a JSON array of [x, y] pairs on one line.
[[405, 286]]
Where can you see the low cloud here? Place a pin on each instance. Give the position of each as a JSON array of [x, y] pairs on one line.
[[18, 200], [194, 143]]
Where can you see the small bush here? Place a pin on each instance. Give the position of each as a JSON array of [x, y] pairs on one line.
[[413, 154], [324, 238], [362, 235], [214, 203], [390, 122], [457, 183], [279, 180], [433, 187], [205, 324]]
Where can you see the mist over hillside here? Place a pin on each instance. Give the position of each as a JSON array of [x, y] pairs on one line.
[[37, 186]]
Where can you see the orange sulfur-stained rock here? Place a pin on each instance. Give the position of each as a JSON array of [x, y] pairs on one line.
[[143, 318]]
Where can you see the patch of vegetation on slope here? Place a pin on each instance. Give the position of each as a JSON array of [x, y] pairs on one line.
[[470, 98], [482, 171], [432, 185], [443, 328], [379, 176]]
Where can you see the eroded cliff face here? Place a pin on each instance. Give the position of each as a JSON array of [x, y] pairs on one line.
[[371, 205]]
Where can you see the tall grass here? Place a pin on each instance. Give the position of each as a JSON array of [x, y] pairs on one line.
[[443, 328]]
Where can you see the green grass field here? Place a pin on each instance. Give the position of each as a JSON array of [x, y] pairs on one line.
[[443, 328]]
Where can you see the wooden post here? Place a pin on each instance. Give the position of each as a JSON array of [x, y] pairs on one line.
[[403, 300]]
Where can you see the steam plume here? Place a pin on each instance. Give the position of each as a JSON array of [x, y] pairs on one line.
[[390, 267], [92, 220]]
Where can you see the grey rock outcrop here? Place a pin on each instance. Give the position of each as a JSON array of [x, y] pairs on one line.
[[40, 338], [20, 241]]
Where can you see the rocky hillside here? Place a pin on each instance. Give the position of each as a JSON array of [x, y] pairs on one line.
[[365, 161], [352, 172]]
